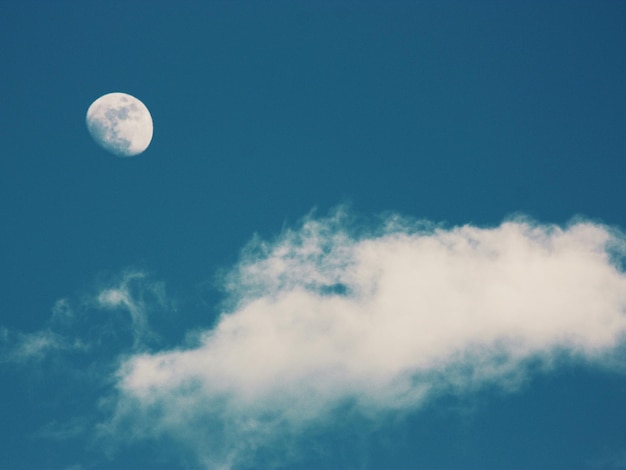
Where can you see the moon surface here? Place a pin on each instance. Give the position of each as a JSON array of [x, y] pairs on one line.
[[120, 123]]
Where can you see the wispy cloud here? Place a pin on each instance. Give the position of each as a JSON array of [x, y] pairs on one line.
[[69, 361], [37, 345], [78, 325], [384, 318], [131, 293], [20, 348]]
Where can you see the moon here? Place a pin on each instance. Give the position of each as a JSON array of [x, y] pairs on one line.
[[120, 123]]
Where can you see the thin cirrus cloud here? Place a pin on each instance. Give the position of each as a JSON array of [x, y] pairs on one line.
[[23, 348], [331, 314], [17, 347], [129, 293], [80, 327]]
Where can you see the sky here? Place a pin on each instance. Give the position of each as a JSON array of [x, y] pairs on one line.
[[365, 235]]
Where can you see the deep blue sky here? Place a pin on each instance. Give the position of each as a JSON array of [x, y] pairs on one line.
[[457, 112]]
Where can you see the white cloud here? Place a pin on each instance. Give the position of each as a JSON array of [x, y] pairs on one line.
[[129, 293], [36, 345], [382, 319], [20, 348], [74, 326]]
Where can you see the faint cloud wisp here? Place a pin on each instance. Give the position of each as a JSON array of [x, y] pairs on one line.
[[129, 293]]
